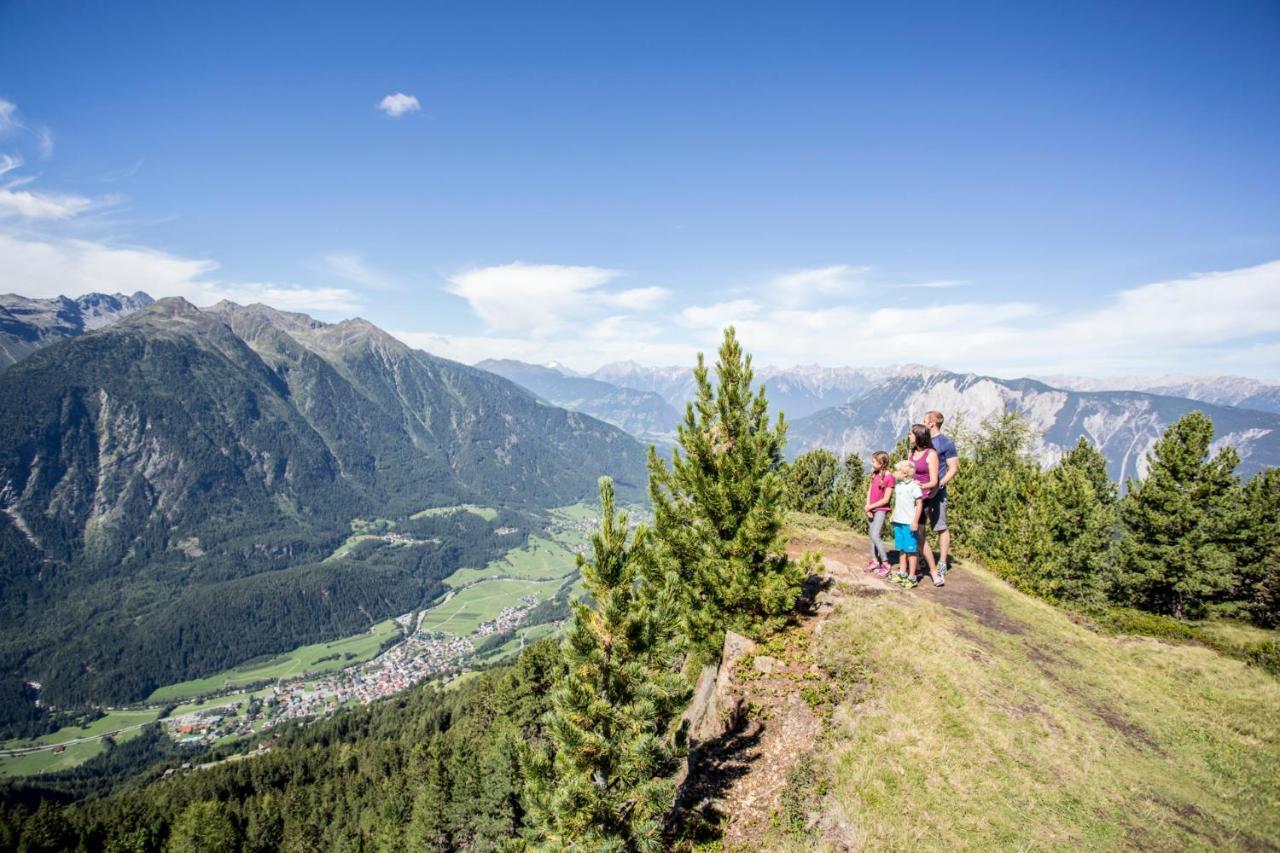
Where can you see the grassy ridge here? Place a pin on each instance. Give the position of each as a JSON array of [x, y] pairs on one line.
[[998, 722]]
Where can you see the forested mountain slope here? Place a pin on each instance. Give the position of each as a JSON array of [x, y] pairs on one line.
[[171, 485]]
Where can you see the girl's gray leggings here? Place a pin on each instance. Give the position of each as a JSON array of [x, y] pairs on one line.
[[877, 544]]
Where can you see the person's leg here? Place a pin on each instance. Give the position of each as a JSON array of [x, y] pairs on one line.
[[922, 541], [876, 530], [912, 566], [939, 523]]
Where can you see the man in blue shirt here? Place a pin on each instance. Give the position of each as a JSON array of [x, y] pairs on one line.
[[935, 507]]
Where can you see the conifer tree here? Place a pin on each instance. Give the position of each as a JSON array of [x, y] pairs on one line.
[[1258, 551], [1176, 553], [811, 481], [851, 494], [991, 501], [719, 509], [1073, 530], [605, 780]]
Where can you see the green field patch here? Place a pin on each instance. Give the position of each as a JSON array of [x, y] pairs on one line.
[[48, 761], [539, 559], [468, 608], [113, 721], [485, 512], [306, 660]]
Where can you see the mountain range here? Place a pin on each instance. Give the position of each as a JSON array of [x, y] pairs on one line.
[[859, 410], [173, 487], [27, 325]]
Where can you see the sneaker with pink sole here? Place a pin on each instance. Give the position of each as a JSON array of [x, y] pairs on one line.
[[883, 571], [871, 566]]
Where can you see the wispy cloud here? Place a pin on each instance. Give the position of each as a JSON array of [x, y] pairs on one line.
[[826, 281], [399, 104], [539, 299], [32, 205], [352, 267], [12, 123], [936, 284], [56, 267]]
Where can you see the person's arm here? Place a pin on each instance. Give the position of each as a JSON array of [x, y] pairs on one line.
[[866, 503], [933, 471], [915, 523], [953, 465]]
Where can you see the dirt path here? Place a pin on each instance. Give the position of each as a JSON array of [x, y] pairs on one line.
[[736, 788]]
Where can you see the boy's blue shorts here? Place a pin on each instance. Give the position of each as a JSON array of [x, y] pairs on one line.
[[903, 539]]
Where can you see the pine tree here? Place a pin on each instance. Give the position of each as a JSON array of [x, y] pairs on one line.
[[1258, 551], [605, 781], [811, 481], [993, 493], [850, 494], [1073, 530], [719, 509], [1176, 553]]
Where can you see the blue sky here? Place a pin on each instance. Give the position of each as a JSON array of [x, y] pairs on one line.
[[1093, 188]]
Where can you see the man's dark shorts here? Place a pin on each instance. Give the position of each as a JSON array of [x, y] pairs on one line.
[[935, 511]]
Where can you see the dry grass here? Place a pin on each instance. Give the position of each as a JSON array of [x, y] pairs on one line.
[[1033, 732]]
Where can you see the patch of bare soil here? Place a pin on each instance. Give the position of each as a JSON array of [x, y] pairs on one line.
[[736, 781]]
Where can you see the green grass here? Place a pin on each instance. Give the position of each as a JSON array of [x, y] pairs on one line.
[[487, 513], [305, 660], [234, 699], [48, 761], [577, 512], [127, 723], [1021, 729], [529, 636], [538, 559], [481, 603]]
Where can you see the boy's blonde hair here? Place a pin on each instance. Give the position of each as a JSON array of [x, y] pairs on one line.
[[904, 470]]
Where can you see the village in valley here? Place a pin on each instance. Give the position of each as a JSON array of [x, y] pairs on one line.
[[420, 656]]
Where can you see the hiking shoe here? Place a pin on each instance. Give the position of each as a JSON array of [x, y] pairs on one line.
[[871, 565], [909, 583], [943, 568], [883, 571], [939, 580]]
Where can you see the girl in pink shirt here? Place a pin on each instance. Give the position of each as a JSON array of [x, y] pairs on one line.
[[879, 497]]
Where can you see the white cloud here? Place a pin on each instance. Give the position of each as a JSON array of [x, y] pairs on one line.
[[12, 122], [41, 205], [9, 121], [48, 267], [606, 341], [1226, 321], [399, 104], [720, 314], [936, 284], [8, 163], [351, 266], [540, 299], [818, 281]]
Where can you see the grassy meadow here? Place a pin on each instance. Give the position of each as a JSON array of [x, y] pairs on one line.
[[991, 720]]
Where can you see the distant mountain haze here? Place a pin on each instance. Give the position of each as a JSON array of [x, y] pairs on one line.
[[860, 410], [644, 414]]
